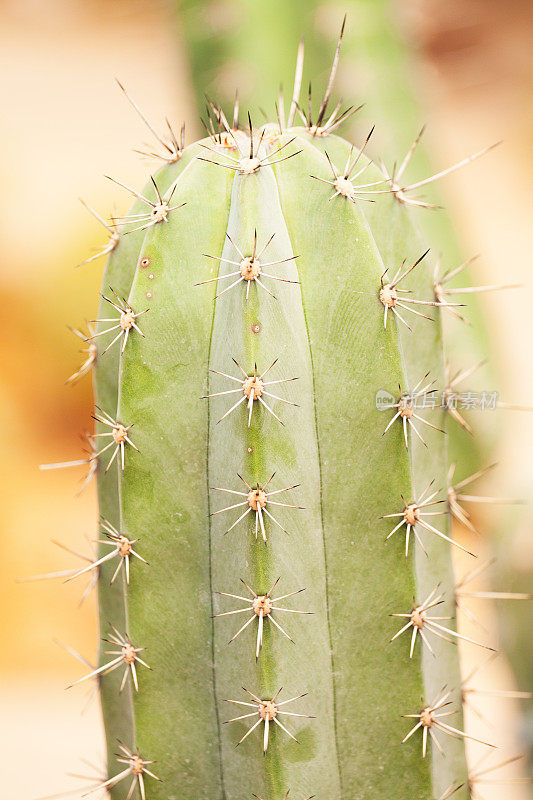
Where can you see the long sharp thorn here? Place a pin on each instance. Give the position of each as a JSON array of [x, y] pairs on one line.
[[455, 167], [297, 83], [331, 80]]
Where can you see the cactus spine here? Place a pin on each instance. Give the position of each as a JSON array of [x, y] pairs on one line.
[[251, 349]]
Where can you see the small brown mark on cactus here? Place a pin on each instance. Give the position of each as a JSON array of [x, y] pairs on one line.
[[145, 262], [268, 711], [111, 228], [403, 193], [253, 389], [172, 148], [159, 210], [343, 182], [91, 350], [255, 327], [135, 766], [249, 269], [431, 717], [256, 501], [421, 623], [119, 437], [261, 607], [125, 323], [415, 514], [127, 654], [406, 409]]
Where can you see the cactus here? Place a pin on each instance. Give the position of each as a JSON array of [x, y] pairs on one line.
[[269, 475], [379, 67]]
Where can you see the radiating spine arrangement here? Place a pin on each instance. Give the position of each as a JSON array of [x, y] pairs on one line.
[[214, 378]]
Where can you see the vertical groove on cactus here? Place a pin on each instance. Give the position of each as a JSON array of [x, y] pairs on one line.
[[290, 451], [345, 391], [117, 707], [212, 606], [397, 239]]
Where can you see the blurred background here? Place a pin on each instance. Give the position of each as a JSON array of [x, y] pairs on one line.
[[464, 67]]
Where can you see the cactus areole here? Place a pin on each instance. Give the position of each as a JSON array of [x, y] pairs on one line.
[[247, 460]]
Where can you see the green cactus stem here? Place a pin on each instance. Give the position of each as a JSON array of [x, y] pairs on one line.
[[265, 418], [381, 68]]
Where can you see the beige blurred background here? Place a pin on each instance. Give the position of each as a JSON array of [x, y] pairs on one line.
[[64, 124]]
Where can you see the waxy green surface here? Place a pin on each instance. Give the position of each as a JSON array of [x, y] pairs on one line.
[[330, 337]]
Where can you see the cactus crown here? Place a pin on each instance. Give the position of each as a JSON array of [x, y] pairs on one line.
[[268, 352]]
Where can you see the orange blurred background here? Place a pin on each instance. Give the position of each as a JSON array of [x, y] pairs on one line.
[[65, 125]]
